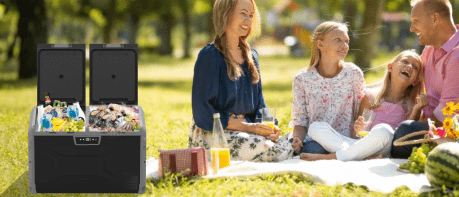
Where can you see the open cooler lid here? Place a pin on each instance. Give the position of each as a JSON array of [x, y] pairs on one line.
[[61, 72], [113, 74]]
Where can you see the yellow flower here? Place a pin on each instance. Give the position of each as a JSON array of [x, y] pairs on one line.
[[448, 123], [456, 107], [449, 109], [449, 133], [452, 134]]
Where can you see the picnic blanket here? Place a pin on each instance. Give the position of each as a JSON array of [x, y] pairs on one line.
[[378, 175]]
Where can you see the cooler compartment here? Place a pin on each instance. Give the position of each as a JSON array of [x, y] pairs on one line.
[[113, 118]]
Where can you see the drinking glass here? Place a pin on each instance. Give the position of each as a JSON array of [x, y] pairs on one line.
[[268, 117], [368, 116]]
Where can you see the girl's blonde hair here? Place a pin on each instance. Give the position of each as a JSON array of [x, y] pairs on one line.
[[222, 11], [319, 34], [411, 92]]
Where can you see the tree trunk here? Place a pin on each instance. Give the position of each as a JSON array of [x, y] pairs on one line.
[[135, 28], [32, 29], [132, 20], [10, 48], [367, 41], [185, 7], [351, 13], [210, 24], [164, 31], [110, 20]]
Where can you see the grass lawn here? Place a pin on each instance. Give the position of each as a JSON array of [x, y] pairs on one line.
[[165, 96]]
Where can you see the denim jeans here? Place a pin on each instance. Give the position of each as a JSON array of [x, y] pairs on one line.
[[311, 146], [405, 128]]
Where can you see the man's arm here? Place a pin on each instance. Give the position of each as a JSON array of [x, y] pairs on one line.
[[450, 88]]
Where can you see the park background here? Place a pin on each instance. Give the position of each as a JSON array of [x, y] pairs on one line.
[[170, 34]]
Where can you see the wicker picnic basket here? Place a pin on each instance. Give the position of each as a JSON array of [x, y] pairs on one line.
[[433, 141]]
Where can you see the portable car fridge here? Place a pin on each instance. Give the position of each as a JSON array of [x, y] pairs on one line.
[[87, 162]]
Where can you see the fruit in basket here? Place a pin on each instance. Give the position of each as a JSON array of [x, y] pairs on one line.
[[417, 159], [442, 166]]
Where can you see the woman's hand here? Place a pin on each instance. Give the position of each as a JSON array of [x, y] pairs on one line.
[[359, 124], [277, 132], [421, 101], [260, 129]]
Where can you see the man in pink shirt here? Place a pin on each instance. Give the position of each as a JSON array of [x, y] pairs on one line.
[[433, 23]]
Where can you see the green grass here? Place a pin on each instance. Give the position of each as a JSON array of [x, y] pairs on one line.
[[165, 95]]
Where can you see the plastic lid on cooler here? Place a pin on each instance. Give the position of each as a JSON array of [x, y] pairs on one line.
[[113, 74], [61, 72]]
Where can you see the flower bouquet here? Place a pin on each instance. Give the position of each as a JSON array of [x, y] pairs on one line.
[[450, 129]]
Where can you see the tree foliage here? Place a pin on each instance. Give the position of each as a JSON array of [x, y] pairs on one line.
[[110, 21]]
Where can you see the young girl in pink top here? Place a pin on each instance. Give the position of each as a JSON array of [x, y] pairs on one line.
[[394, 102]]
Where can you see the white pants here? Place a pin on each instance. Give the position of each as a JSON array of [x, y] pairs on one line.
[[378, 141]]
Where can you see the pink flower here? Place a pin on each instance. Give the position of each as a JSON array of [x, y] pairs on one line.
[[441, 131], [433, 131]]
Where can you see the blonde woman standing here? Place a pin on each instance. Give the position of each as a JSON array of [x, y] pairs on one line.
[[227, 81], [330, 90]]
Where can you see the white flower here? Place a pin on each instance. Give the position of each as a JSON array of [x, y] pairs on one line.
[[456, 122]]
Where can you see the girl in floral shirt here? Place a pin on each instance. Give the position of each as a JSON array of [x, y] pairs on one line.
[[330, 90], [393, 102]]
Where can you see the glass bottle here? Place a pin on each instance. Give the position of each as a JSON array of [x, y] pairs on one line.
[[47, 99], [220, 152]]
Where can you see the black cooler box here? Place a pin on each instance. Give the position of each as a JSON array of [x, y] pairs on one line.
[[87, 162]]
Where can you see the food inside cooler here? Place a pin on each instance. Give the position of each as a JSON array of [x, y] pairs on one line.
[[60, 118], [114, 117]]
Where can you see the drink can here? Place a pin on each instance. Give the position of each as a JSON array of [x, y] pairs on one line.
[[63, 104], [56, 103]]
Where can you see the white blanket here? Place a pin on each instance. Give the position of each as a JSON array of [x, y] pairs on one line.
[[379, 175]]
